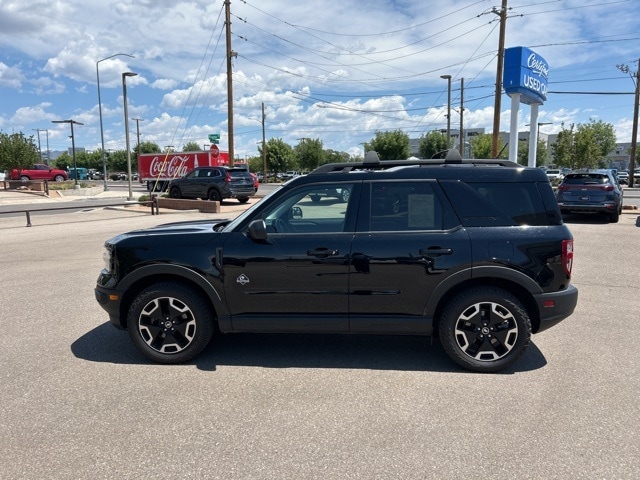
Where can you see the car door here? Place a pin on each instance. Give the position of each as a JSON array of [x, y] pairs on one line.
[[296, 280], [408, 242]]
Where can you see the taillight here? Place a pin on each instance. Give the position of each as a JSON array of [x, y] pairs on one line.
[[608, 188], [227, 177], [567, 256], [563, 188]]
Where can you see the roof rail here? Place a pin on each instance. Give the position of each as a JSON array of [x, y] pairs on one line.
[[373, 162]]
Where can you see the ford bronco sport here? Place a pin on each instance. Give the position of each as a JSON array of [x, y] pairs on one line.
[[471, 251]]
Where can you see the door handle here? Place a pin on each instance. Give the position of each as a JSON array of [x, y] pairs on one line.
[[432, 251], [322, 252]]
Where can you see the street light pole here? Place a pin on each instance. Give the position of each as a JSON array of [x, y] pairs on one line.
[[104, 161], [73, 149], [126, 128], [448, 79]]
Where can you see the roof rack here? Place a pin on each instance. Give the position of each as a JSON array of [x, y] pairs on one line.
[[446, 157]]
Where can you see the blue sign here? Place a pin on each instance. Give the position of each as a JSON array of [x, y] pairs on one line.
[[526, 73]]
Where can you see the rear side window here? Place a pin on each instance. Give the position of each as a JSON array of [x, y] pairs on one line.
[[502, 204]]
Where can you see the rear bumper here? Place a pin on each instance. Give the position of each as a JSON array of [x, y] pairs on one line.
[[563, 304]]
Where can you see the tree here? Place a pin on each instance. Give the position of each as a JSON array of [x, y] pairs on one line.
[[481, 147], [433, 143], [147, 147], [191, 147], [17, 151], [309, 154], [280, 157], [390, 145], [584, 146], [541, 153]]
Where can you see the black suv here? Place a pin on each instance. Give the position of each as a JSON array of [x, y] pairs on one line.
[[474, 252], [214, 183], [591, 191]]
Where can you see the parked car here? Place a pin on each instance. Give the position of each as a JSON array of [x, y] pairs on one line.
[[472, 251], [591, 191], [39, 172], [554, 175], [214, 183], [82, 173], [623, 177]]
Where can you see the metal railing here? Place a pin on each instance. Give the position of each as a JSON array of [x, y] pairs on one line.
[[153, 203]]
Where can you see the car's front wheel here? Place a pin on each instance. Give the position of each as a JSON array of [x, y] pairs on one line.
[[484, 329], [170, 322]]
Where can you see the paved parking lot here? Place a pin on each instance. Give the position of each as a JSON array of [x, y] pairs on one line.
[[78, 401]]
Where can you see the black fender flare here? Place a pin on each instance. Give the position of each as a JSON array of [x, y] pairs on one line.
[[149, 271], [475, 273]]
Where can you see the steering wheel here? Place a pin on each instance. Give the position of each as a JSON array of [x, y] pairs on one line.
[[280, 226]]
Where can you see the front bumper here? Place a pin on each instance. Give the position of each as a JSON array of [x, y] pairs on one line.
[[110, 300]]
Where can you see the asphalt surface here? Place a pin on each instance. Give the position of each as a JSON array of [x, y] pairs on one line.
[[79, 402]]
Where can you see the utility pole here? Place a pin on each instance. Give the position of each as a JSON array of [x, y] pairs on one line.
[[634, 134], [264, 149], [230, 55], [497, 105], [39, 148], [138, 131]]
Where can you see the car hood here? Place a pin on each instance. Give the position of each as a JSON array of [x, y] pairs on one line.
[[189, 232]]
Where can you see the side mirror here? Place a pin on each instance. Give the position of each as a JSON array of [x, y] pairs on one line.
[[296, 213], [258, 230]]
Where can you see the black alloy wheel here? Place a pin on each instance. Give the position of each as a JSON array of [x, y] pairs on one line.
[[170, 322], [175, 192], [485, 329]]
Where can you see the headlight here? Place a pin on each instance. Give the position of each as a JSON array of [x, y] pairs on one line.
[[107, 258]]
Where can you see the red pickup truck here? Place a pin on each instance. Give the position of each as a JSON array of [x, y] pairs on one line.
[[39, 172]]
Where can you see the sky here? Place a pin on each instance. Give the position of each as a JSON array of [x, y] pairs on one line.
[[334, 70]]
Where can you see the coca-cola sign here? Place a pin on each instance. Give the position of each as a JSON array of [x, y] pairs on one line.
[[525, 73], [165, 166]]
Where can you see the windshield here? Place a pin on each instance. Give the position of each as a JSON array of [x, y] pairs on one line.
[[240, 218]]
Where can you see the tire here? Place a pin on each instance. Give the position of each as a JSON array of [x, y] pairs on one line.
[[345, 193], [170, 322], [214, 195], [484, 329], [59, 178], [243, 199], [24, 178], [175, 192], [315, 198], [614, 217]]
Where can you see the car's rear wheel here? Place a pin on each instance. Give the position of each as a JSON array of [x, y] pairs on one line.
[[59, 178], [170, 322], [315, 198], [214, 195], [344, 194], [484, 329], [243, 199], [175, 192], [24, 178]]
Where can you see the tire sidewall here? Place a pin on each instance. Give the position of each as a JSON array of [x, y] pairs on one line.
[[454, 309], [190, 297]]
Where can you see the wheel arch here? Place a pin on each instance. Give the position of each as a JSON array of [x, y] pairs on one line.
[[143, 277], [516, 283]]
